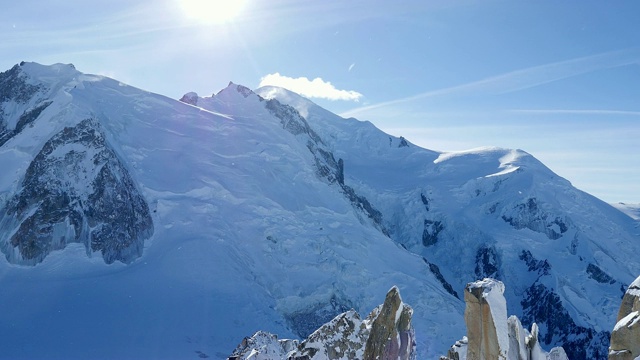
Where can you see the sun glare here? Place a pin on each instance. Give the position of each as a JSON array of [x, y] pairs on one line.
[[212, 11]]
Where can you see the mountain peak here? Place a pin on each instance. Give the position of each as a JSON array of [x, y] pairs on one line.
[[48, 73], [299, 102], [305, 213], [241, 89], [190, 98]]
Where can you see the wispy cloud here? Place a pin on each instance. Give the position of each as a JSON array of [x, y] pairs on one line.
[[524, 78], [316, 88], [575, 112], [351, 66]]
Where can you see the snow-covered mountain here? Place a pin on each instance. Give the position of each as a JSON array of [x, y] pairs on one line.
[[168, 229], [633, 210]]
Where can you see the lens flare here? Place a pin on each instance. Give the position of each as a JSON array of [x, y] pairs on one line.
[[212, 11]]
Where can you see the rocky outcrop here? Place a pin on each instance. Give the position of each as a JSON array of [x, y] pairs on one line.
[[76, 190], [486, 318], [599, 275], [490, 335], [190, 98], [487, 263], [541, 267], [326, 165], [431, 231], [543, 305], [435, 270], [625, 338], [341, 338], [532, 216], [263, 346], [391, 335], [303, 322], [17, 94], [385, 334]]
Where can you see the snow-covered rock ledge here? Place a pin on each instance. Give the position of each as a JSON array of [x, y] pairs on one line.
[[625, 338]]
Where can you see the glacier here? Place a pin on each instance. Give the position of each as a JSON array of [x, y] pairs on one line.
[[268, 212]]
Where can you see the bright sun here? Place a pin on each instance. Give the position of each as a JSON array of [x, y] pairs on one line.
[[212, 11]]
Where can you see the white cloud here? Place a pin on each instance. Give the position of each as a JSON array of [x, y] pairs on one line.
[[351, 66], [316, 88]]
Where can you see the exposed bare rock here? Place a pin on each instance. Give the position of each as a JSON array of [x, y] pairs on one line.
[[76, 190], [392, 335], [490, 335], [385, 334], [486, 319], [263, 346], [625, 338]]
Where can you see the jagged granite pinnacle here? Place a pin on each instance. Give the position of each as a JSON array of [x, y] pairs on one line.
[[385, 334]]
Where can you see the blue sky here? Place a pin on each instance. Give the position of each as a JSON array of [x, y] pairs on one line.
[[560, 80]]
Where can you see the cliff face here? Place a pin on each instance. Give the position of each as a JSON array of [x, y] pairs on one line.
[[625, 338], [76, 190], [391, 335], [490, 335], [485, 316]]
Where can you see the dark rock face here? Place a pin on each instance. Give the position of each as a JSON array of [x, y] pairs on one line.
[[391, 337], [76, 190], [543, 306], [599, 275], [403, 142], [487, 263], [386, 333], [435, 270], [340, 338], [291, 120], [362, 204], [425, 201], [190, 98], [340, 173], [432, 229], [30, 115], [14, 88], [303, 323], [542, 267], [531, 216], [625, 338], [326, 165], [263, 343], [243, 90]]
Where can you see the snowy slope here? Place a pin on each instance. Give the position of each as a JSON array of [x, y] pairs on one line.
[[248, 234], [276, 218], [564, 256], [633, 210]]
